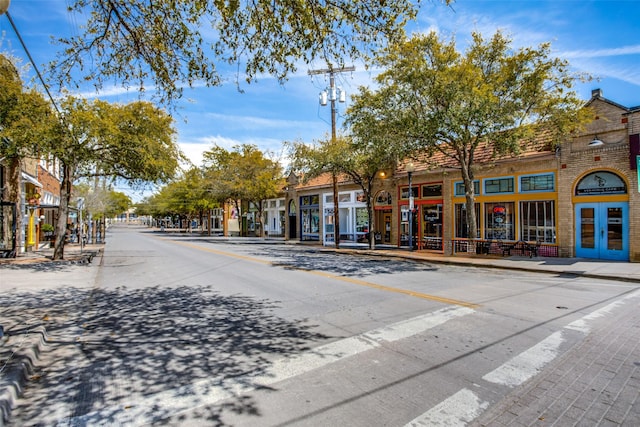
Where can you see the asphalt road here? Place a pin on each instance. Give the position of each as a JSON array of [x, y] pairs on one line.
[[174, 330]]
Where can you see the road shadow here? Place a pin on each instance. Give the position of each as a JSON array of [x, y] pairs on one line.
[[299, 257], [113, 348], [338, 263]]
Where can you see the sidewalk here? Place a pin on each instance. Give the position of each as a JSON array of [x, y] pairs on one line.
[[73, 254]]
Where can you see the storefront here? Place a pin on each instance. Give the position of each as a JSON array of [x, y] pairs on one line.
[[273, 212], [602, 216], [512, 208], [310, 217], [383, 211], [426, 218], [353, 217]]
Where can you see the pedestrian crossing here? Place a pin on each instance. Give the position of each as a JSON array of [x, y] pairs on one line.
[[466, 405], [459, 409]]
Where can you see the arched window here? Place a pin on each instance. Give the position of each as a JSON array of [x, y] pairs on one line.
[[601, 182]]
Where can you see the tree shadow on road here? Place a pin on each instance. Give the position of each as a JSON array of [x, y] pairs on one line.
[[349, 265], [115, 349]]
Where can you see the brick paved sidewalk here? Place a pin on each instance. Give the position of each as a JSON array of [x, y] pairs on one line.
[[597, 383]]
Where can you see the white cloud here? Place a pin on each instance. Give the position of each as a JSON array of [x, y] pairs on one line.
[[601, 53]]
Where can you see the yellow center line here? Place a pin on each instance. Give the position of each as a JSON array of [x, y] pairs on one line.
[[352, 280]]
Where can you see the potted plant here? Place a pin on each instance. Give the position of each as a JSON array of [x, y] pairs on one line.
[[48, 230]]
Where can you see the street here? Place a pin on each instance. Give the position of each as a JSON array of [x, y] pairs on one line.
[[180, 329]]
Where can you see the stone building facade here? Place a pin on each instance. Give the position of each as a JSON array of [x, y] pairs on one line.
[[580, 199]]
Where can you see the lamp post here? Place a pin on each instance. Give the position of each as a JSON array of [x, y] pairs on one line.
[[410, 169]]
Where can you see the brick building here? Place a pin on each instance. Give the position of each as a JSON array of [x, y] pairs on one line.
[[578, 200]]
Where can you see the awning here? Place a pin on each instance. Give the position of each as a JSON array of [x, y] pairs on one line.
[[31, 180]]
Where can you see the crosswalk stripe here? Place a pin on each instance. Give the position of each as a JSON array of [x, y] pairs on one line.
[[207, 392], [464, 406], [457, 410]]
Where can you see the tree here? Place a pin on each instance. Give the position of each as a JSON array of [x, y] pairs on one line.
[[242, 175], [169, 42], [432, 99], [134, 142], [23, 114], [186, 197], [101, 203]]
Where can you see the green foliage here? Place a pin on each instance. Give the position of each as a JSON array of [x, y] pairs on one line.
[[186, 197], [242, 174], [47, 228], [174, 44], [24, 114], [431, 98], [133, 141]]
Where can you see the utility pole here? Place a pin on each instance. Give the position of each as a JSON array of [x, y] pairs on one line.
[[333, 96]]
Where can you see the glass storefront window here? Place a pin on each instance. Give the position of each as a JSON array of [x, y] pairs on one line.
[[499, 221], [432, 226], [538, 221], [461, 220]]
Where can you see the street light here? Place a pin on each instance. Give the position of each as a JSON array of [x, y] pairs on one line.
[[410, 169], [596, 142]]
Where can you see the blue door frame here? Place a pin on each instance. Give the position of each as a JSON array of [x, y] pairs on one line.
[[602, 230]]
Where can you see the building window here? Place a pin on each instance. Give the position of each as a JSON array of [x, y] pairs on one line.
[[499, 221], [459, 188], [404, 192], [543, 182], [498, 185], [383, 198], [538, 221], [432, 190], [462, 231], [344, 197]]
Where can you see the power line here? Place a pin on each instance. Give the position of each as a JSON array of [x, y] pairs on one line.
[[35, 67]]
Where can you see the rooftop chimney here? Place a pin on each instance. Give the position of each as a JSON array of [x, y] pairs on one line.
[[596, 93]]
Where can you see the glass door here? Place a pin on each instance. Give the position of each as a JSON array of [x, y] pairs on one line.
[[432, 226], [602, 231]]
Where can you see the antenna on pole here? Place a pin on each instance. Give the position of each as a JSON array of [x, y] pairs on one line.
[[333, 95]]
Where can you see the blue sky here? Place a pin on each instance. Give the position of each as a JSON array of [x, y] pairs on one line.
[[598, 37]]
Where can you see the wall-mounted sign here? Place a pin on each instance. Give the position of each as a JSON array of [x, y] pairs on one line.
[[601, 182]]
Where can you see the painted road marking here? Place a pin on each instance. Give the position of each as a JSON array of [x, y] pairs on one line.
[[211, 391], [457, 410], [333, 276], [528, 363], [464, 406]]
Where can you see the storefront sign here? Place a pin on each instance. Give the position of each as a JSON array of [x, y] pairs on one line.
[[601, 183]]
